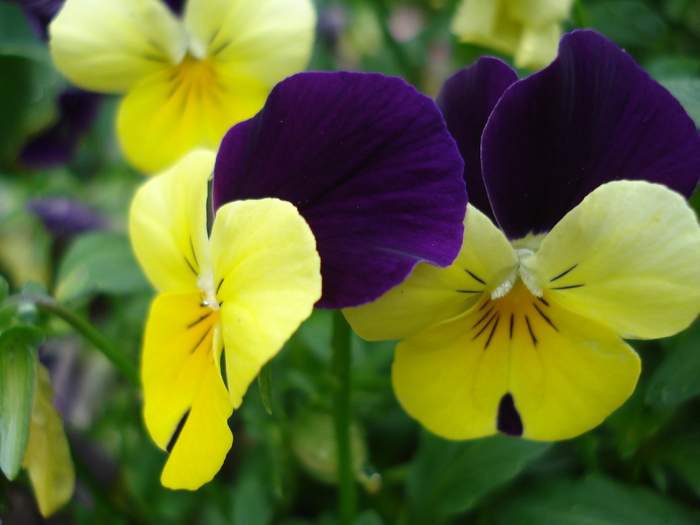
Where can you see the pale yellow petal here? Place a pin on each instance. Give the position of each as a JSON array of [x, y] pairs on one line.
[[538, 46], [47, 457], [486, 23], [537, 13], [264, 39], [186, 406], [109, 46], [167, 223], [431, 294], [186, 106], [267, 279], [564, 373], [627, 258]]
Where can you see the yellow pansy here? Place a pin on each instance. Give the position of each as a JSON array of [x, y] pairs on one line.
[[529, 30], [227, 303], [186, 79]]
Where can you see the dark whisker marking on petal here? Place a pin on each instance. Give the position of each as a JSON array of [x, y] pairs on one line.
[[529, 329], [195, 323], [543, 301], [563, 274], [190, 265], [222, 364], [508, 421], [488, 341], [194, 254], [484, 317], [512, 320], [545, 317], [485, 304], [219, 286], [474, 276], [177, 432], [495, 314], [469, 291], [202, 339], [568, 287]]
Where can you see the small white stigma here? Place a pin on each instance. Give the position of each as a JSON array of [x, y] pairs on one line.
[[205, 283], [529, 280]]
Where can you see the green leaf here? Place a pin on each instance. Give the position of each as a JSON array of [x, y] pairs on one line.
[[593, 500], [18, 365], [15, 95], [687, 91], [627, 22], [4, 289], [676, 379], [450, 477], [265, 385], [99, 262]]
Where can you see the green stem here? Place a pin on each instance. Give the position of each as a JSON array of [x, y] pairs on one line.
[[410, 72], [342, 415], [111, 352]]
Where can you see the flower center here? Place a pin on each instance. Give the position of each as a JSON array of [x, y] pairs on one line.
[[205, 283]]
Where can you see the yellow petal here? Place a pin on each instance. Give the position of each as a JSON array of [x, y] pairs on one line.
[[186, 406], [537, 13], [264, 39], [267, 279], [485, 22], [565, 374], [109, 46], [167, 223], [538, 46], [627, 258], [47, 457], [430, 294], [182, 107]]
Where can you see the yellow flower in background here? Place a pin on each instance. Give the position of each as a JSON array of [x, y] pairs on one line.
[[527, 29], [246, 288], [47, 457], [187, 79]]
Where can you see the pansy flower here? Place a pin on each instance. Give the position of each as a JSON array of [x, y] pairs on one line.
[[529, 30], [227, 303], [577, 235], [186, 78], [369, 164]]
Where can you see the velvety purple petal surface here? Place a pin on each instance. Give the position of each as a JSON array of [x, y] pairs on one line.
[[591, 117], [57, 145], [176, 6], [466, 102], [368, 162]]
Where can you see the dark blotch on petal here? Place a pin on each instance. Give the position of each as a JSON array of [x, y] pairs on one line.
[[176, 6], [509, 421], [590, 117], [369, 164], [466, 101]]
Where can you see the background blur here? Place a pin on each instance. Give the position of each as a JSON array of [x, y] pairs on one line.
[[64, 194]]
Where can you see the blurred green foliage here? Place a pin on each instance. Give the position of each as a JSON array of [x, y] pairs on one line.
[[642, 466]]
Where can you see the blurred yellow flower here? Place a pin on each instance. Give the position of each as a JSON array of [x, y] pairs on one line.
[[187, 79], [527, 29]]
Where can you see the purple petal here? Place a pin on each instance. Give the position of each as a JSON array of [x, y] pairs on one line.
[[39, 13], [591, 117], [368, 162], [65, 217], [466, 101], [57, 145]]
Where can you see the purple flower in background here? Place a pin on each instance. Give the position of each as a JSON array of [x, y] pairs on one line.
[[367, 161], [577, 236], [64, 217], [57, 145]]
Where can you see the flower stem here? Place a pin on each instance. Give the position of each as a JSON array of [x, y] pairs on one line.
[[89, 332], [342, 415]]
